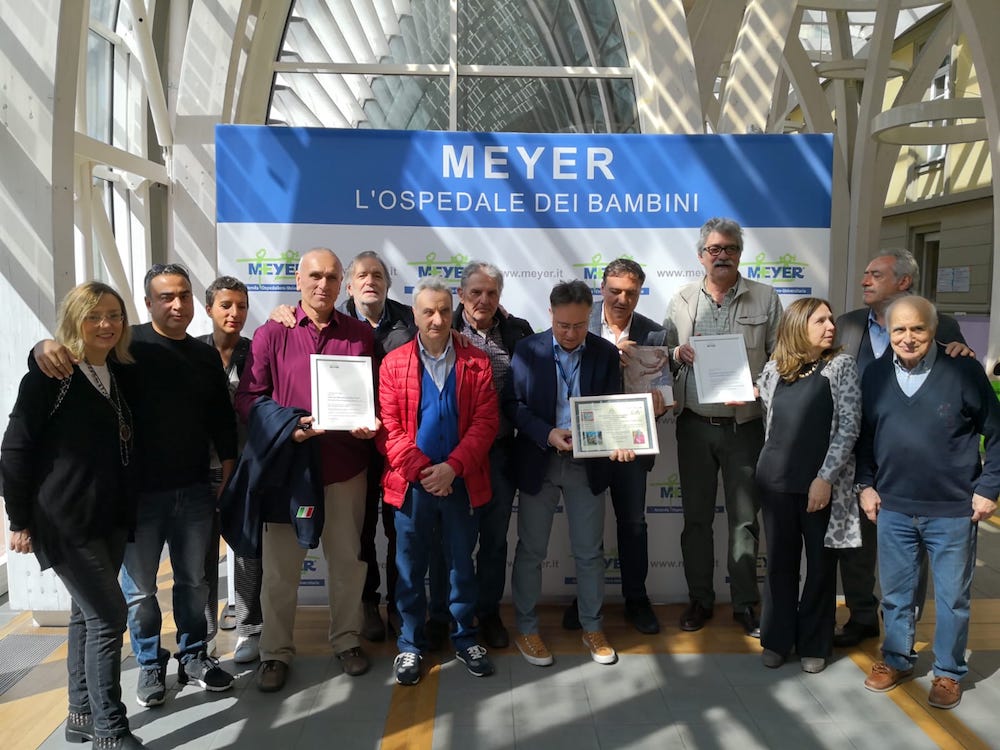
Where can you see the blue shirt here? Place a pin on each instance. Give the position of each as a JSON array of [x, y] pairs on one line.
[[439, 367], [567, 366], [877, 335], [911, 380]]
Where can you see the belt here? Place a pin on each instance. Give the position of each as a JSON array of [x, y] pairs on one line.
[[714, 421]]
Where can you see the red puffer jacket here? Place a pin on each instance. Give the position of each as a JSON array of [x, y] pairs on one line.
[[478, 420]]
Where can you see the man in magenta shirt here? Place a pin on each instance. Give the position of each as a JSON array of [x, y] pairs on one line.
[[278, 367]]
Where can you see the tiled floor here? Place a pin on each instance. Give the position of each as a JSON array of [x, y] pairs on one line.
[[675, 690]]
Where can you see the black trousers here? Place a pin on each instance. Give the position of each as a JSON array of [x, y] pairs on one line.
[[790, 621], [96, 629]]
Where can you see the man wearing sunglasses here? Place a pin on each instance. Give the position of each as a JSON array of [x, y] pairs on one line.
[[720, 437]]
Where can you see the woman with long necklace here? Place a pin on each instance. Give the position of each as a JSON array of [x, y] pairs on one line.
[[812, 404], [66, 462]]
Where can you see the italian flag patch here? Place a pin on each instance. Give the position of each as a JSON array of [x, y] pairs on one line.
[[305, 511]]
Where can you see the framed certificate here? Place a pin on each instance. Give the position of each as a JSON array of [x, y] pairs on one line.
[[602, 424], [648, 369], [721, 369], [343, 392]]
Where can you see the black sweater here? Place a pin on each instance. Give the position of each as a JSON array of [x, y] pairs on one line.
[[63, 477], [182, 407]]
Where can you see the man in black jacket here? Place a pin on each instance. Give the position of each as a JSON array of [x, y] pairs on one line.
[[616, 320], [368, 283], [489, 328], [864, 335]]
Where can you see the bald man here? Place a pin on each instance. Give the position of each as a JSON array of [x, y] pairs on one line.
[[922, 483], [278, 367]]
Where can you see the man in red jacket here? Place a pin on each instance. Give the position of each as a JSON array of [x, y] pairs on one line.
[[440, 415]]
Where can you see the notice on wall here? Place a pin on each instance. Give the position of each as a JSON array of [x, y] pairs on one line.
[[953, 279]]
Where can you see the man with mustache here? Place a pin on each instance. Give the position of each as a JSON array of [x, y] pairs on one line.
[[720, 437]]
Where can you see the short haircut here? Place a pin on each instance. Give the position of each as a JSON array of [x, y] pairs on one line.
[[921, 304], [164, 269], [487, 269], [573, 292], [624, 267], [433, 283], [903, 263], [728, 227], [793, 349], [76, 306], [229, 283], [365, 255]]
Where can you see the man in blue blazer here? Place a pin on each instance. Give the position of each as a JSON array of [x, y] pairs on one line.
[[547, 370], [616, 321]]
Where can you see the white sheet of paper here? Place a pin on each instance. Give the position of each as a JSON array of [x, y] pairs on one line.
[[721, 368], [343, 392]]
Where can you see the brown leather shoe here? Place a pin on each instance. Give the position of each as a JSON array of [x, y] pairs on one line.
[[271, 676], [354, 661], [884, 678], [694, 617], [945, 693]]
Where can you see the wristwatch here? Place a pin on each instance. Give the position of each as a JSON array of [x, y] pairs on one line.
[[860, 487]]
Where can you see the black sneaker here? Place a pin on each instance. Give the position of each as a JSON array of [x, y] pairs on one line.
[[476, 661], [204, 671], [152, 687], [407, 668]]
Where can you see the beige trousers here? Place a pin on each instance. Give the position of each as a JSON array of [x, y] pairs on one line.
[[344, 504]]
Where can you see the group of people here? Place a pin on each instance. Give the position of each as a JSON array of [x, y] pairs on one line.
[[124, 439]]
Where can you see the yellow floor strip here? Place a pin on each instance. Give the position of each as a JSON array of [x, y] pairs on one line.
[[410, 723], [27, 722], [942, 727]]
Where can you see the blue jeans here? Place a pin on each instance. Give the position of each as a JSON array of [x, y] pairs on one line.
[[181, 518], [96, 625], [415, 526], [567, 478], [491, 560], [951, 547]]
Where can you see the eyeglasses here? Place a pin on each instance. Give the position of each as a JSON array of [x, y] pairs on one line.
[[716, 250], [568, 327], [96, 319]]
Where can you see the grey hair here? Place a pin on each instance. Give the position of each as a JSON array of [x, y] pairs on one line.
[[903, 263], [922, 305], [487, 269], [349, 273], [728, 227], [433, 283]]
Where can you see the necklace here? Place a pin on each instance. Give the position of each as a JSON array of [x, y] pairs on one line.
[[121, 411], [810, 371]]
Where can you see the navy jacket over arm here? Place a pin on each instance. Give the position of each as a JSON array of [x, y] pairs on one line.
[[274, 478]]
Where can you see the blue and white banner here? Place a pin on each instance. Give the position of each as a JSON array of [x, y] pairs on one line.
[[542, 207]]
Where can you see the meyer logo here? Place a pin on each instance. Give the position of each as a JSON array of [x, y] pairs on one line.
[[669, 496], [593, 271], [448, 270], [784, 270], [271, 274]]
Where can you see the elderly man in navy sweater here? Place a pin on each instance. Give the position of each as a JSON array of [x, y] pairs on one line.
[[919, 474]]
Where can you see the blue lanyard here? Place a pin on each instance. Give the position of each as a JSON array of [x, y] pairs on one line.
[[568, 380]]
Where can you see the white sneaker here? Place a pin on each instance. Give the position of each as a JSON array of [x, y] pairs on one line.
[[247, 649]]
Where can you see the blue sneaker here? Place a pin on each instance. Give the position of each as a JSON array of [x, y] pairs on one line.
[[407, 668], [475, 660]]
